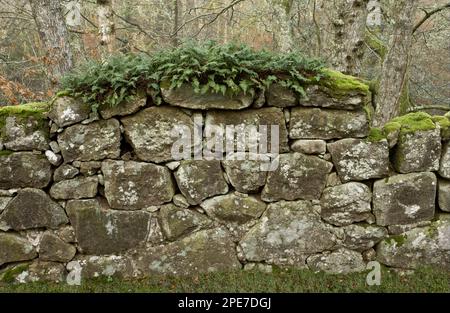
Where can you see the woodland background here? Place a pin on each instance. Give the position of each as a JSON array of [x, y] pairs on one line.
[[401, 46]]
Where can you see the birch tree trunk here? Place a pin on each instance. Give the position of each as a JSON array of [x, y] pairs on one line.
[[106, 27], [283, 9], [394, 73], [349, 32], [49, 20]]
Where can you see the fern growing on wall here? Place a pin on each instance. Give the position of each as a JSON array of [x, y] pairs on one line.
[[208, 68]]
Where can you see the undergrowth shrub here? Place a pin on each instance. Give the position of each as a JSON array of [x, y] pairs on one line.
[[208, 68]]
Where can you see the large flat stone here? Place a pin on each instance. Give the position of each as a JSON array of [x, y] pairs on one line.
[[357, 159], [251, 117], [95, 141], [152, 132], [404, 198], [100, 230], [314, 123], [204, 251], [324, 97], [186, 97], [24, 169], [287, 233], [32, 208], [133, 185], [298, 176]]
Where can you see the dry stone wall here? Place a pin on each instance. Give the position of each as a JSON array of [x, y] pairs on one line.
[[84, 195]]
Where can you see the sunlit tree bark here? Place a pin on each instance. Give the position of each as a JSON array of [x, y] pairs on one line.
[[394, 73], [50, 24]]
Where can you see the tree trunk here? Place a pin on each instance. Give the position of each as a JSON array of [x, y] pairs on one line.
[[106, 27], [349, 31], [283, 10], [394, 72], [176, 22], [53, 33]]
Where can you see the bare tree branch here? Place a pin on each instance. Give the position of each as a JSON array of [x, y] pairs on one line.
[[430, 14]]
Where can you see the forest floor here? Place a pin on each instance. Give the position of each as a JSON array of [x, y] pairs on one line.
[[290, 280]]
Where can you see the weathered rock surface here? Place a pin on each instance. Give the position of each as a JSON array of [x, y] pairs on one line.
[[309, 146], [346, 204], [95, 141], [125, 108], [362, 237], [66, 111], [76, 188], [314, 123], [253, 117], [65, 171], [199, 180], [52, 248], [186, 97], [114, 231], [247, 174], [444, 167], [88, 267], [425, 246], [287, 233], [298, 176], [14, 248], [136, 185], [341, 261], [203, 251], [321, 96], [36, 271], [152, 132], [32, 208], [24, 169], [418, 152], [443, 195], [25, 133], [177, 222], [404, 198], [235, 208], [357, 159], [4, 202], [281, 97]]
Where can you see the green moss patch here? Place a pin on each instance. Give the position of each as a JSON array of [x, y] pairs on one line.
[[411, 123], [10, 274], [343, 84], [376, 134], [36, 110]]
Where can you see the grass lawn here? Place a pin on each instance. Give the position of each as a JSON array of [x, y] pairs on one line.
[[281, 280]]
